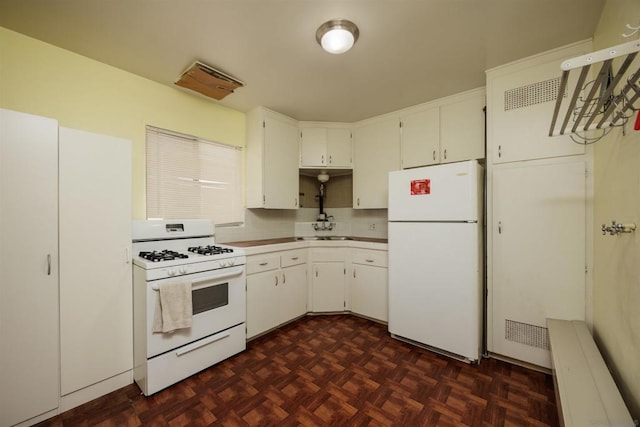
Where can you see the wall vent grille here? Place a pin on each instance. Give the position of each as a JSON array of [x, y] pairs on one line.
[[523, 333], [536, 93]]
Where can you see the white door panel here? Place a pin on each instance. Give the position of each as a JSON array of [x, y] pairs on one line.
[[95, 249], [539, 214], [29, 381]]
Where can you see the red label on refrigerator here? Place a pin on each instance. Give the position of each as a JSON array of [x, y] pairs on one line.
[[420, 186]]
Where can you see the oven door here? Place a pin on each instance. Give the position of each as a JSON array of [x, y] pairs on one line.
[[219, 303]]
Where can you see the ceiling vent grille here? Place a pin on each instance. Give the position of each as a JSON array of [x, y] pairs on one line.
[[208, 81]]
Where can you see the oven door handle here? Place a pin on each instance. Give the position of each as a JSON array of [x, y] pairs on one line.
[[228, 272], [196, 345]]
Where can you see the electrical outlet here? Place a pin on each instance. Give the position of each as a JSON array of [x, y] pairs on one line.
[[372, 226]]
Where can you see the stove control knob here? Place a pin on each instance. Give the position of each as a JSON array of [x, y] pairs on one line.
[[232, 262], [171, 272], [183, 270], [223, 263]]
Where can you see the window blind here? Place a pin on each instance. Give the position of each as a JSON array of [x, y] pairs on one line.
[[188, 177]]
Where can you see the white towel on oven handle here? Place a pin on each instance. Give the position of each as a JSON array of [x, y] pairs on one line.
[[174, 309]]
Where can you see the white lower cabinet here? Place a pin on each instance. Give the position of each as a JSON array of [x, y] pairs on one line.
[[261, 302], [276, 289], [328, 286], [280, 290], [328, 273], [368, 284], [293, 290]]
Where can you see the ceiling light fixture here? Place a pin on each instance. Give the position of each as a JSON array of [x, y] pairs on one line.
[[337, 35]]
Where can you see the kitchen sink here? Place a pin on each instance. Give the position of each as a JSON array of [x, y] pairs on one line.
[[324, 238]]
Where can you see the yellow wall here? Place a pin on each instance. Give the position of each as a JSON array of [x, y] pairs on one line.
[[80, 93], [617, 259]]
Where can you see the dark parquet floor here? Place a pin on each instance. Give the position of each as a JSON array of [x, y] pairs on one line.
[[334, 371]]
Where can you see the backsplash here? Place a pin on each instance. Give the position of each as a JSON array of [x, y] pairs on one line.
[[259, 224], [274, 223]]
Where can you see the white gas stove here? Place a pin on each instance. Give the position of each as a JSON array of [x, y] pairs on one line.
[[173, 248], [184, 252]]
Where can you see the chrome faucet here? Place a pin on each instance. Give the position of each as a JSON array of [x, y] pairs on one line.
[[324, 225]]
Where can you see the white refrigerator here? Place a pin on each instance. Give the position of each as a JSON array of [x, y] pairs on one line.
[[436, 258]]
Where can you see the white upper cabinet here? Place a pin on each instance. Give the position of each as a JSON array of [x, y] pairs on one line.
[[325, 145], [446, 130], [462, 126], [313, 147], [376, 152], [420, 140], [521, 97], [339, 147], [271, 160]]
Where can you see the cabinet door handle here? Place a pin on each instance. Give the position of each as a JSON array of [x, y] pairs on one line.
[[354, 272], [358, 201], [295, 202], [499, 151], [316, 272], [499, 227], [276, 280], [48, 264], [295, 258], [330, 160], [284, 279], [445, 154], [434, 154], [322, 161], [262, 264], [368, 260]]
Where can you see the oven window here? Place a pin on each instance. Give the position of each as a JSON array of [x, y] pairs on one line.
[[210, 298]]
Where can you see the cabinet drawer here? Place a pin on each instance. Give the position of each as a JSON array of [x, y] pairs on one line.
[[262, 263], [377, 258], [296, 257]]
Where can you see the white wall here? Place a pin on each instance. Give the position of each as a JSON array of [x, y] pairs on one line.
[[42, 79], [617, 259]]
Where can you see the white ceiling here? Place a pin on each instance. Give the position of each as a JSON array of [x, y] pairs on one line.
[[409, 51]]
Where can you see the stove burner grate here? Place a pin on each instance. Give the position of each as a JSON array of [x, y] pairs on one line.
[[165, 255], [210, 250]]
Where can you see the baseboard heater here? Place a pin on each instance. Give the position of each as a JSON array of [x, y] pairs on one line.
[[585, 391]]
